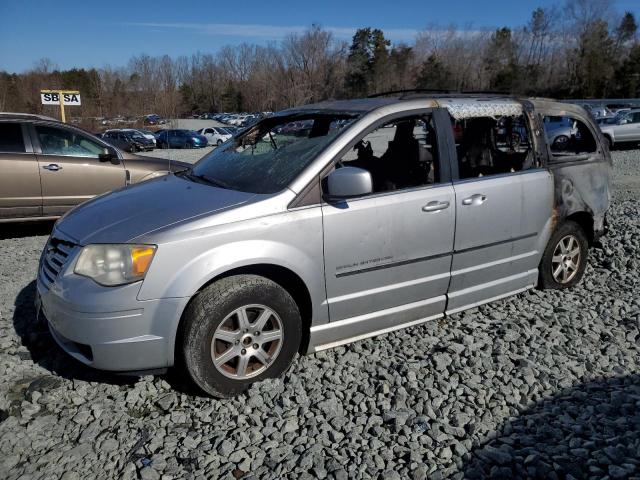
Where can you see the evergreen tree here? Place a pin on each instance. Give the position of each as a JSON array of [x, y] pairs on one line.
[[433, 74], [367, 61]]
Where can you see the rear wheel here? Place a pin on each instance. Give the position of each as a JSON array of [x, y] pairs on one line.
[[219, 142], [237, 331], [565, 258]]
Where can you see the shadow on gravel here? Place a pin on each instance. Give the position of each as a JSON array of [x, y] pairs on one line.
[[43, 349], [26, 229], [589, 431]]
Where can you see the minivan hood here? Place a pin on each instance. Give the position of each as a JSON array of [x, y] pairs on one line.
[[122, 215]]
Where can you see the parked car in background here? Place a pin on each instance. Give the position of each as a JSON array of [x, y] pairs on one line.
[[598, 111], [215, 135], [129, 140], [148, 134], [607, 120], [625, 129], [559, 130], [48, 167], [275, 244], [231, 129], [179, 138], [153, 119]]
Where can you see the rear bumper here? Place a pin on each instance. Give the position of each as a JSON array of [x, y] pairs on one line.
[[128, 335]]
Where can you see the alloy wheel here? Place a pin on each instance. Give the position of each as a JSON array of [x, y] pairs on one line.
[[566, 258], [247, 342]]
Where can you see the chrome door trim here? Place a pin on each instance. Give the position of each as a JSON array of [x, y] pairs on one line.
[[433, 257], [393, 264], [499, 242]]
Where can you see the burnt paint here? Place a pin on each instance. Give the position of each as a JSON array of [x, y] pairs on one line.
[[581, 182]]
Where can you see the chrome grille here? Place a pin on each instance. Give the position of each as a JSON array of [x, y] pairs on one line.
[[55, 255]]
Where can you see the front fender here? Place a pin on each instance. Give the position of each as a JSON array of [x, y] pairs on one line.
[[201, 269]]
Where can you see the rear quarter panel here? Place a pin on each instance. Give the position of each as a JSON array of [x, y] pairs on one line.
[[582, 183]]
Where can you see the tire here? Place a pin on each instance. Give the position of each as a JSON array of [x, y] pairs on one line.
[[560, 143], [164, 146], [216, 312], [219, 142], [557, 259]]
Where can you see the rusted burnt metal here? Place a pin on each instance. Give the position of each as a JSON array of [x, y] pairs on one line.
[[581, 182]]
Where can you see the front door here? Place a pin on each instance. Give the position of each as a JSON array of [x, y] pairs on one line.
[[388, 254], [70, 168], [20, 194]]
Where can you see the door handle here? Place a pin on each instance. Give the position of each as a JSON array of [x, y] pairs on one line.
[[477, 199], [435, 206], [53, 167]]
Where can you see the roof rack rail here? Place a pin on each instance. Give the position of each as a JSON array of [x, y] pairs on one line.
[[408, 91], [487, 92]]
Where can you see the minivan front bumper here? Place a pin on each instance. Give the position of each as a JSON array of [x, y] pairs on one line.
[[119, 332]]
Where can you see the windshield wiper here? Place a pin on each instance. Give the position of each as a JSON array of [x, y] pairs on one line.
[[200, 178]]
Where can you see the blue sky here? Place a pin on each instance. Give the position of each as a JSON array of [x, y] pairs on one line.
[[89, 33]]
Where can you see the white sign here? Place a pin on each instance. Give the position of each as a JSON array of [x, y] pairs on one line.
[[53, 98]]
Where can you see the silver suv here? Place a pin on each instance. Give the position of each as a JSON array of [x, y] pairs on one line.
[[323, 225], [623, 129]]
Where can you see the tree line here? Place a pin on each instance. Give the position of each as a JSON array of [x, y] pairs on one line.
[[581, 49]]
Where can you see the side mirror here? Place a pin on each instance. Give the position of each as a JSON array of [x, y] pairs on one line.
[[348, 182], [108, 155]]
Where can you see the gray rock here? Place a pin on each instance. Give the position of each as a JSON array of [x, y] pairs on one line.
[[167, 402]]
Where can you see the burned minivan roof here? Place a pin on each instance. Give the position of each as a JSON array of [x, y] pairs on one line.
[[477, 107], [463, 106], [460, 106]]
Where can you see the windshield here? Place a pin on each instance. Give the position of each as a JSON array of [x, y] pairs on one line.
[[268, 156]]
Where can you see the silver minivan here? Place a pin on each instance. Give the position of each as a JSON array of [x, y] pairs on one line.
[[323, 225]]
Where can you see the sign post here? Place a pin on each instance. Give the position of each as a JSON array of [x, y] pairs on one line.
[[60, 97]]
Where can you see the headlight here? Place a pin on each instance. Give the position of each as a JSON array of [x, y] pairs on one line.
[[113, 264]]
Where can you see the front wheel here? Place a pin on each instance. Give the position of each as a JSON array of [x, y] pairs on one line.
[[565, 258], [219, 142], [239, 330]]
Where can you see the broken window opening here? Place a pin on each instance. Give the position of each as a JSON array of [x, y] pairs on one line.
[[399, 154], [567, 136], [489, 145]]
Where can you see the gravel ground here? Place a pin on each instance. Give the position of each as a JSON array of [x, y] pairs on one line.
[[541, 385]]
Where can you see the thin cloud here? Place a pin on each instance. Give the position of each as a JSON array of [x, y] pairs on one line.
[[271, 32]]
